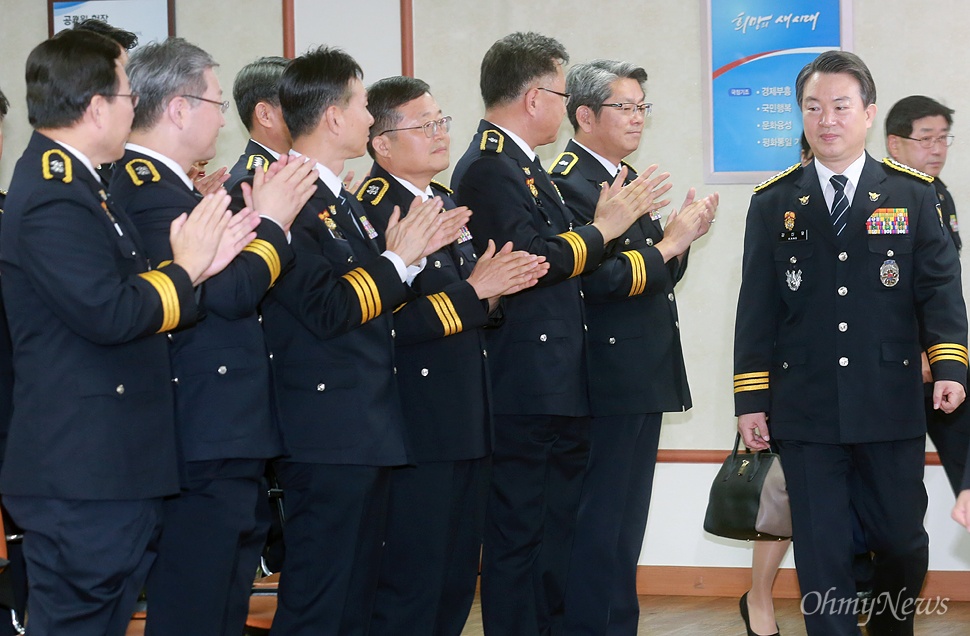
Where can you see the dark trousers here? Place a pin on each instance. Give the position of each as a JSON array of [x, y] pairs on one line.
[[429, 568], [601, 591], [883, 482], [13, 580], [537, 479], [86, 561], [208, 551], [950, 433], [335, 521]]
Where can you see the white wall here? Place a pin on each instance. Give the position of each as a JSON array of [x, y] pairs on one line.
[[665, 37]]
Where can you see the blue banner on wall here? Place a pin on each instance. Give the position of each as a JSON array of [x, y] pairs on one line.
[[757, 48]]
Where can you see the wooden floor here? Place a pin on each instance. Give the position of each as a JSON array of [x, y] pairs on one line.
[[693, 615]]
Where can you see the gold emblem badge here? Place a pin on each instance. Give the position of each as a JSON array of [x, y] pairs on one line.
[[789, 220], [803, 200], [873, 196]]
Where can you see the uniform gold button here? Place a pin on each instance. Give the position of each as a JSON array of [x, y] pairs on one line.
[[843, 362], [321, 387], [424, 373], [543, 338], [843, 326], [626, 241], [843, 291], [649, 241], [222, 370], [612, 340], [792, 260], [843, 256], [890, 253], [784, 365], [120, 389], [905, 363], [437, 264]]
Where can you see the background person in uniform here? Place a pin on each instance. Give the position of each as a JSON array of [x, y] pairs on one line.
[[429, 567], [847, 276], [631, 315], [329, 327], [537, 358], [211, 539], [13, 579], [92, 448], [918, 135]]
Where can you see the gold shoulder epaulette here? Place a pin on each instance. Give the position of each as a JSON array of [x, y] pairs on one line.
[[373, 190], [442, 187], [142, 169], [492, 141], [56, 164], [778, 177], [564, 163], [257, 161], [631, 171], [901, 167]]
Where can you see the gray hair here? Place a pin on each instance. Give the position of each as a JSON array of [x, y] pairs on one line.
[[159, 71], [591, 84]]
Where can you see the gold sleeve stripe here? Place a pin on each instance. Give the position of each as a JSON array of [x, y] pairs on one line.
[[366, 290], [165, 288], [948, 351], [638, 269], [750, 387], [446, 313], [265, 250], [578, 246], [748, 376]]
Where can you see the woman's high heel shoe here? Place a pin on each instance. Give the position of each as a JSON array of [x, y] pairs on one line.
[[743, 606]]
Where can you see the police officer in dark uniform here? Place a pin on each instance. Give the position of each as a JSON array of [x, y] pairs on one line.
[[537, 358], [429, 568], [227, 431], [328, 324], [92, 447], [918, 135], [632, 316], [847, 276]]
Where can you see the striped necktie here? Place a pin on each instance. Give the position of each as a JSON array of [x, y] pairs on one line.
[[840, 204]]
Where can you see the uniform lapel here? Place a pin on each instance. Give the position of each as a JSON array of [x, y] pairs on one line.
[[808, 202], [869, 196]]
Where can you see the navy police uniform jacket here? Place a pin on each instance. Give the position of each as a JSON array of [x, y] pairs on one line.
[[254, 158], [537, 359], [220, 366], [948, 211], [6, 365], [329, 327], [441, 368], [93, 411], [636, 364], [830, 329]]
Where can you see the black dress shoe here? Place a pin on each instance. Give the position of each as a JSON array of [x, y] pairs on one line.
[[743, 606]]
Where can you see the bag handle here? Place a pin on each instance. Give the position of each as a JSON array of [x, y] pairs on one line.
[[755, 460]]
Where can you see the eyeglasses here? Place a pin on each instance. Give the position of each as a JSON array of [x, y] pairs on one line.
[[132, 96], [629, 108], [223, 106], [565, 96], [430, 128], [929, 142]]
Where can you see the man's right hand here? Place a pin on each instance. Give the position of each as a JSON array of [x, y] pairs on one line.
[[754, 430], [620, 206], [505, 272], [281, 192], [686, 226], [196, 237]]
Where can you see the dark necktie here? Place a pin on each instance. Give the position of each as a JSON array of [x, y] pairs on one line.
[[840, 204], [344, 205]]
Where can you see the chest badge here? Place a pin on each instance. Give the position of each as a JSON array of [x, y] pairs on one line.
[[889, 273], [794, 279], [874, 196], [789, 220], [803, 200]]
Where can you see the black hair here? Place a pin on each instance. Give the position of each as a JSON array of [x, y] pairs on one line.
[[258, 81], [314, 82], [385, 96], [513, 62]]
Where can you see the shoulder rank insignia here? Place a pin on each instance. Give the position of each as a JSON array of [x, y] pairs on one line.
[[564, 163], [631, 172], [257, 161], [57, 165], [778, 177], [441, 187], [141, 170], [492, 141], [373, 190], [913, 172]]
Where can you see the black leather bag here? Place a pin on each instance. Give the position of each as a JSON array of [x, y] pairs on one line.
[[748, 499]]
